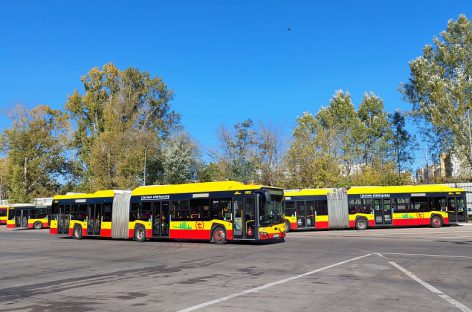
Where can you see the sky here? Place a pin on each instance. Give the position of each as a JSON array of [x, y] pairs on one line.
[[226, 61]]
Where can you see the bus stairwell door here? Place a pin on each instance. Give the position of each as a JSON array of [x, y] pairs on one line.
[[94, 215], [63, 219], [160, 220], [382, 211]]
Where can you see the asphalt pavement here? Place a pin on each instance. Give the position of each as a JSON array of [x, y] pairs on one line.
[[408, 269]]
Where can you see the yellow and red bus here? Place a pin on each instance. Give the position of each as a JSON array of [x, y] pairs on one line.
[[28, 216], [3, 215], [213, 211], [417, 205], [374, 206], [306, 209]]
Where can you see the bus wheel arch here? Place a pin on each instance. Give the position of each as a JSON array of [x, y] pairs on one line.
[[139, 233], [37, 225], [287, 226], [436, 221], [77, 232], [218, 234], [361, 223]]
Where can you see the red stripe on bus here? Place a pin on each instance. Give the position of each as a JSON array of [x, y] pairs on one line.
[[10, 226], [192, 234], [105, 232], [2, 222], [52, 231], [293, 226], [321, 225]]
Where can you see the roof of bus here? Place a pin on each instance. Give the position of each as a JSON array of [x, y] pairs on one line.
[[307, 192], [429, 188], [97, 194], [221, 186]]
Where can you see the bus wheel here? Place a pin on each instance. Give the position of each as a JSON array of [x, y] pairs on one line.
[[219, 235], [361, 224], [436, 222], [140, 233], [37, 225], [77, 233], [287, 226]]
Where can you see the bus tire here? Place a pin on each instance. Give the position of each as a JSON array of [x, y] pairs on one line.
[[436, 221], [219, 235], [140, 233], [37, 225], [287, 226], [361, 224], [77, 232]]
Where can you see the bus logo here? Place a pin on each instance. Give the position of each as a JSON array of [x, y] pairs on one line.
[[199, 225]]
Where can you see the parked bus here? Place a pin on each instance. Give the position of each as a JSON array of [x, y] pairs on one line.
[[28, 216], [3, 215], [433, 205], [369, 207], [306, 209], [214, 211]]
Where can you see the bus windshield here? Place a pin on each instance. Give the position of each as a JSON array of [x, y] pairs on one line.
[[271, 212]]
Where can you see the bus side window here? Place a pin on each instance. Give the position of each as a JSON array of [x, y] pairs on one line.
[[133, 212], [107, 212], [290, 209]]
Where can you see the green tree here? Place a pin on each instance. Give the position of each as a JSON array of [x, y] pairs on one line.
[[373, 139], [3, 178], [123, 117], [35, 146], [440, 87], [235, 155], [401, 143]]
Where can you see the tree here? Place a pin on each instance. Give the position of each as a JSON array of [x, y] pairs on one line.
[[402, 143], [122, 118], [440, 89], [235, 155], [35, 146], [3, 178], [180, 159], [375, 132], [268, 156], [312, 159]]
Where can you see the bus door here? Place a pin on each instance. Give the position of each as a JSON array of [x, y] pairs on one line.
[[451, 209], [63, 219], [21, 217], [238, 218], [301, 214], [244, 218], [310, 214], [160, 219], [382, 211], [94, 213]]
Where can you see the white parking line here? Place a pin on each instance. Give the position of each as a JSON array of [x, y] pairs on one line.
[[433, 289], [424, 255], [256, 289]]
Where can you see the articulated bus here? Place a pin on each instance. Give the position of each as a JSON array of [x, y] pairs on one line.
[[28, 216], [213, 211], [3, 215], [369, 207], [306, 209]]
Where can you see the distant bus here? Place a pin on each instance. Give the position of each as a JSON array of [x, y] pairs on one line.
[[213, 211], [306, 209], [3, 215], [370, 207], [28, 216]]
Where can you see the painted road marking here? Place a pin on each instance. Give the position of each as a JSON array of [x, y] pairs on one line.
[[433, 289], [425, 255], [256, 289]]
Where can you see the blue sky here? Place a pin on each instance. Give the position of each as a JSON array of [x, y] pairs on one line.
[[225, 60]]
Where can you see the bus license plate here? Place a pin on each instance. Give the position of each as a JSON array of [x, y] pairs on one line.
[[276, 235]]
